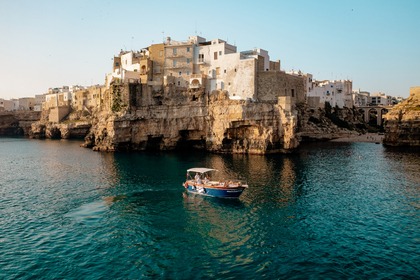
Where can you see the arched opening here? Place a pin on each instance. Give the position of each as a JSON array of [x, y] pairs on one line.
[[143, 70], [195, 83], [373, 117]]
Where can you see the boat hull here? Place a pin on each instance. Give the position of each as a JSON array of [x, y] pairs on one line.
[[229, 192]]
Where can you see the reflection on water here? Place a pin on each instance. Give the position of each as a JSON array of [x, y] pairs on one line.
[[331, 210]]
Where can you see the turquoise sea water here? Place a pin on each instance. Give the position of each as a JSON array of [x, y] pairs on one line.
[[330, 211]]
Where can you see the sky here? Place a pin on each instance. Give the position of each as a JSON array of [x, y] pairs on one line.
[[51, 43]]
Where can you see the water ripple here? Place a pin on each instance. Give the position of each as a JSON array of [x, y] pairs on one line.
[[330, 211]]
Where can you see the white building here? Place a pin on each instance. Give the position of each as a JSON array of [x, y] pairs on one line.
[[194, 64], [336, 93], [126, 67], [361, 98], [218, 61], [228, 70], [380, 99]]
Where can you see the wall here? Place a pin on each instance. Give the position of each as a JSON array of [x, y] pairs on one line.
[[179, 62], [58, 113], [272, 84], [157, 57]]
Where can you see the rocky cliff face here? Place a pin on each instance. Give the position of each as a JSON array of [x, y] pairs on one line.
[[213, 123], [329, 123], [17, 123], [76, 126], [75, 130], [402, 123]]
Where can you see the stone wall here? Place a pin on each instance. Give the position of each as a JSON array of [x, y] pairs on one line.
[[58, 113], [272, 84]]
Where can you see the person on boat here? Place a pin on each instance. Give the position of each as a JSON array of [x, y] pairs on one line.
[[197, 178], [206, 179]]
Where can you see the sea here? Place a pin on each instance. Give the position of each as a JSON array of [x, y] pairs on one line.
[[327, 211]]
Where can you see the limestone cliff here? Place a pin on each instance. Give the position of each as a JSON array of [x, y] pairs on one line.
[[17, 123], [328, 123], [195, 120], [71, 130], [75, 126], [402, 123]]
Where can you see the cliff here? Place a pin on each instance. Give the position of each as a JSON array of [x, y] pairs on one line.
[[328, 123], [196, 120], [17, 123], [402, 123], [75, 125], [67, 130]]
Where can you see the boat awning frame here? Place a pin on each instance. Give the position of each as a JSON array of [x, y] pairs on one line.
[[200, 170]]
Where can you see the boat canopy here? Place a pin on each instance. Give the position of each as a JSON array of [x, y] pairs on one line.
[[200, 170]]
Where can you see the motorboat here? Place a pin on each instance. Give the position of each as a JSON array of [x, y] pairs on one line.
[[199, 182]]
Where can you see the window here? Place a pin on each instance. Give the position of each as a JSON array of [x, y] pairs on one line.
[[188, 49], [188, 60], [293, 93], [174, 51], [215, 55], [200, 57], [188, 72], [180, 73], [174, 63], [224, 71], [220, 52], [179, 83]]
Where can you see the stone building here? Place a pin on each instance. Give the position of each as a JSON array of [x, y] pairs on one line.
[[174, 67], [26, 103]]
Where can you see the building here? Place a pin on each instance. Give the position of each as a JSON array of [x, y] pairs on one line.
[[178, 61], [39, 100], [6, 105], [308, 80], [196, 64], [337, 93], [57, 99], [361, 98], [26, 103], [89, 98], [380, 99]]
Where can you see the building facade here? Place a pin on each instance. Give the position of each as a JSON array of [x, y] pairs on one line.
[[195, 64], [337, 93]]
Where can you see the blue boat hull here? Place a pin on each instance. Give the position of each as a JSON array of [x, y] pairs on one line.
[[216, 192]]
